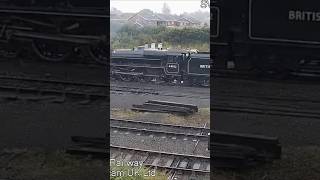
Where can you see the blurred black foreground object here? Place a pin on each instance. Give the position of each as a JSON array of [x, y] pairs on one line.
[[234, 150]]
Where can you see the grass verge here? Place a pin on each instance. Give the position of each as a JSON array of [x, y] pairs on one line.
[[198, 119]]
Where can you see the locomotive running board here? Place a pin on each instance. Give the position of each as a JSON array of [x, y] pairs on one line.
[[63, 38]]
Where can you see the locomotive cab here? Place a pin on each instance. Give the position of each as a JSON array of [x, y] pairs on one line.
[[174, 61]]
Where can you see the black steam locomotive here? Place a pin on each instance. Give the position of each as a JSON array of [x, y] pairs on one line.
[[265, 35], [55, 29], [161, 66]]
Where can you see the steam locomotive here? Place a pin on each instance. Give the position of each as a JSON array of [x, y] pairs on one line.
[[55, 29], [265, 35], [163, 66]]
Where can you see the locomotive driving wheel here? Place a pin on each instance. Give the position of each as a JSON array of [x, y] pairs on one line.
[[51, 51], [99, 52]]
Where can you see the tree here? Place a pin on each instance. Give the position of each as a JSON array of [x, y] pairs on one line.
[[166, 9]]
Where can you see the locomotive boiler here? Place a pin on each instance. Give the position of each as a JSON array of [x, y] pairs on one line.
[[161, 66]]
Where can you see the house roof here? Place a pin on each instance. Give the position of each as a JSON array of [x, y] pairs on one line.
[[167, 17], [149, 15], [145, 14], [189, 19]]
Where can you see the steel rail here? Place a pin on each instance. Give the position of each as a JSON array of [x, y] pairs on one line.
[[162, 133], [294, 77], [268, 111], [102, 85], [41, 87], [156, 125]]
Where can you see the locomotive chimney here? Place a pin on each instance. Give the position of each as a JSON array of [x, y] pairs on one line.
[[153, 45]]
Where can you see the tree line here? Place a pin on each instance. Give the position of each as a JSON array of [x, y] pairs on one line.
[[129, 36]]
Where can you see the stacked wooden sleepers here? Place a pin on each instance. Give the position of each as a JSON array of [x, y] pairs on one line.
[[232, 150], [166, 107]]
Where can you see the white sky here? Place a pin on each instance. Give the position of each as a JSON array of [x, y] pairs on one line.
[[176, 6]]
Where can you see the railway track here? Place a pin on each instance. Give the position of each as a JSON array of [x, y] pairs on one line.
[[190, 137], [269, 98], [287, 99], [45, 87], [64, 71], [49, 86], [166, 91], [171, 162], [153, 126], [134, 90], [139, 128], [305, 76], [291, 112], [174, 164], [278, 106]]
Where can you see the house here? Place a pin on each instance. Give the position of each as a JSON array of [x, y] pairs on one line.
[[148, 18], [189, 21], [144, 18], [168, 20]]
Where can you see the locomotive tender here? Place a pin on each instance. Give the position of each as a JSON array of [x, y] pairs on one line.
[[55, 28], [154, 65], [265, 35]]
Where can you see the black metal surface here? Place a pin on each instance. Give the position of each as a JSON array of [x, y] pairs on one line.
[[288, 21], [157, 65], [251, 39]]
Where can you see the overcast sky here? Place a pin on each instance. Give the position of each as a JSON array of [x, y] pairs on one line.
[[176, 6]]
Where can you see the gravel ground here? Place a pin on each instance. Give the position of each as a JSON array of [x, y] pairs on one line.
[[39, 164], [299, 136], [306, 91], [189, 95], [48, 125], [290, 130]]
